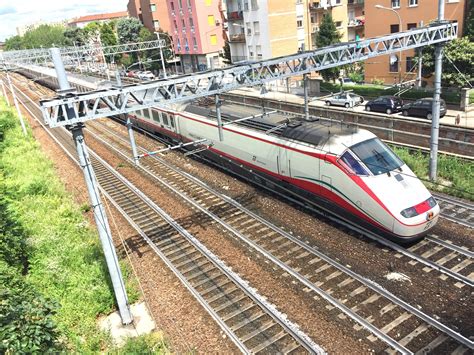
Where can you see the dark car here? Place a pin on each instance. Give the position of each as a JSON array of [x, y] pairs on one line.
[[387, 104], [423, 108]]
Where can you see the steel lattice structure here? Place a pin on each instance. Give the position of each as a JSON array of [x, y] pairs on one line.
[[114, 101], [70, 54]]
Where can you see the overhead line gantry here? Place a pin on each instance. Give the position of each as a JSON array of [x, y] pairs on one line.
[[76, 108]]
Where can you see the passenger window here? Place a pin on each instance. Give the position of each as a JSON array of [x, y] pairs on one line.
[[165, 119], [146, 113], [351, 164], [172, 121], [156, 116]]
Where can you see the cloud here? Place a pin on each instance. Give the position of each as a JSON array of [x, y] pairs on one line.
[[6, 10]]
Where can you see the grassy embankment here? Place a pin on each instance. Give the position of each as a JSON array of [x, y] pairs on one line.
[[53, 277], [455, 176]]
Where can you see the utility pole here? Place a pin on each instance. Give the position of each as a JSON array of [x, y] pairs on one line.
[[161, 54], [436, 100], [5, 93], [99, 212], [420, 62], [306, 104], [23, 127]]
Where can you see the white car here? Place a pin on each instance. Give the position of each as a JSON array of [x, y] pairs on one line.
[[146, 75], [345, 99]]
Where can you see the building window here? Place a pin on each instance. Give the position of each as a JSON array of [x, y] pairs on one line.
[[180, 4], [337, 2], [393, 66], [410, 66], [191, 23], [183, 23], [258, 49], [256, 27], [208, 2], [412, 2], [175, 25], [246, 5], [411, 26], [395, 3], [250, 53], [172, 6], [189, 3], [254, 5], [299, 23], [313, 19], [210, 20], [213, 40], [338, 24], [195, 42], [249, 29], [394, 28], [152, 7], [156, 23]]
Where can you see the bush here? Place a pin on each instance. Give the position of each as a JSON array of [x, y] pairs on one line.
[[26, 317], [146, 344]]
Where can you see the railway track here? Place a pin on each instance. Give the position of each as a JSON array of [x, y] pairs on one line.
[[250, 322], [456, 210], [401, 326], [350, 295]]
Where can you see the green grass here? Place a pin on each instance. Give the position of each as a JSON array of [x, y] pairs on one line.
[[370, 91], [455, 176], [65, 258]]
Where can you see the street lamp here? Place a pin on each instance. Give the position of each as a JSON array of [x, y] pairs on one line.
[[399, 29]]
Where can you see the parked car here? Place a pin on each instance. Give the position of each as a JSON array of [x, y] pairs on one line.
[[345, 99], [131, 74], [387, 104], [423, 108], [146, 75]]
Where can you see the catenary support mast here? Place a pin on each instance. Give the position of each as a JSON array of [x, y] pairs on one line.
[[100, 217]]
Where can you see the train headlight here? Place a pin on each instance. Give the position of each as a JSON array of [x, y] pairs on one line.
[[409, 212]]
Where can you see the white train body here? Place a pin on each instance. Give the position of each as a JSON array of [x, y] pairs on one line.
[[392, 201], [374, 199]]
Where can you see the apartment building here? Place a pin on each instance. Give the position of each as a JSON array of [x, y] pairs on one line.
[[262, 29], [155, 15], [348, 15], [134, 9], [402, 15]]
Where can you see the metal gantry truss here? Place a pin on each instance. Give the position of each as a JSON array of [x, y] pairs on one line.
[[114, 101], [12, 59]]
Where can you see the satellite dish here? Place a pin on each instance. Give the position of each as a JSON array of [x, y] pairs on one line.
[[393, 59]]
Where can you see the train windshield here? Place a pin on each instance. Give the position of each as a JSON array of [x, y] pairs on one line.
[[376, 156]]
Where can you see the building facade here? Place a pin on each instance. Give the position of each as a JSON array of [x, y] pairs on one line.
[[197, 30], [402, 67], [262, 29], [155, 15], [134, 9], [82, 22]]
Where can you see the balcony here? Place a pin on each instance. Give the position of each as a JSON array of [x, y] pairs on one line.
[[237, 38], [355, 2], [356, 22], [317, 6], [235, 16], [237, 58]]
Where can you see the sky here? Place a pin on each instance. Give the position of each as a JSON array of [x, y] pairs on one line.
[[14, 13]]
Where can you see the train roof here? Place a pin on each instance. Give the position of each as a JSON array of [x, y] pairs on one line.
[[316, 132]]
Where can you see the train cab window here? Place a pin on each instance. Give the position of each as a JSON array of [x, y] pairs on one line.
[[376, 156], [351, 164], [156, 116], [172, 121], [146, 113], [165, 119]]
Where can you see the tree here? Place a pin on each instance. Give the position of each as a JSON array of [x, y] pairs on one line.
[[128, 30], [74, 36], [469, 23], [326, 36], [227, 54], [107, 34], [14, 43], [461, 53]]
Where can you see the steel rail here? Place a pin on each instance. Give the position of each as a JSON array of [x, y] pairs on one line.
[[435, 239], [271, 311], [456, 203], [302, 279]]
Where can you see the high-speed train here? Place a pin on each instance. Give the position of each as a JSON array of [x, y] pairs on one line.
[[343, 170]]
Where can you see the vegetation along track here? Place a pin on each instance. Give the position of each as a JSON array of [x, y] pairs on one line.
[[390, 319], [371, 306], [250, 322]]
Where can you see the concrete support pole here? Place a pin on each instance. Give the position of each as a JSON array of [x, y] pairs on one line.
[[23, 127], [132, 141], [436, 101], [99, 211], [219, 118], [306, 100], [5, 93], [420, 66], [161, 55]]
